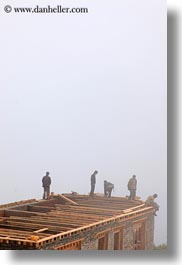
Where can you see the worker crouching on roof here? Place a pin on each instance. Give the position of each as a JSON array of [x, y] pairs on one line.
[[46, 182], [108, 187], [150, 202]]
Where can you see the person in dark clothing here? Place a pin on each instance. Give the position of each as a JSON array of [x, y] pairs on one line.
[[46, 182], [93, 181], [132, 184], [108, 187]]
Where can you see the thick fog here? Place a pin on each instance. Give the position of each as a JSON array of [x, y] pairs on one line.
[[84, 92]]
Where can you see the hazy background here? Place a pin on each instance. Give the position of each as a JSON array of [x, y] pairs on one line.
[[80, 92]]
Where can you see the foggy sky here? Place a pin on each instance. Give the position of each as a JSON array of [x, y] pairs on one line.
[[84, 92]]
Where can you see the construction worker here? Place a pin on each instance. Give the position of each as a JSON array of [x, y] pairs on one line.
[[46, 182], [150, 202], [132, 184], [93, 181], [108, 187]]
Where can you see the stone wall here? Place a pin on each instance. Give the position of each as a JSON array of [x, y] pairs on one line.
[[111, 240], [128, 236], [90, 244], [149, 232], [148, 237], [90, 241]]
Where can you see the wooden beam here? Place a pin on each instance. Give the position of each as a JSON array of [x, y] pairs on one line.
[[40, 230], [67, 199], [19, 233], [9, 212], [133, 208]]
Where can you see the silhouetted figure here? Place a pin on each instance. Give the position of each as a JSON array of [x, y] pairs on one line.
[[108, 187], [46, 182], [150, 202], [93, 181], [132, 184]]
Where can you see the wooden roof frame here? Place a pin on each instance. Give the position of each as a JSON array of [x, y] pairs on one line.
[[35, 222]]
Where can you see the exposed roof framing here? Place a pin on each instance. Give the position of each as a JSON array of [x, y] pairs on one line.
[[35, 223]]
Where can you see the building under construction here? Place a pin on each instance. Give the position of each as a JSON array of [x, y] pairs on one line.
[[77, 222]]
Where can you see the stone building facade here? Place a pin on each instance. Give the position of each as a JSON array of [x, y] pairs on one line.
[[136, 234]]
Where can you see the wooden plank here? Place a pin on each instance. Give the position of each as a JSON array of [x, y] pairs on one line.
[[16, 231], [16, 239], [21, 235], [73, 210], [40, 230], [88, 208], [17, 204], [72, 219], [42, 221], [33, 226], [10, 212], [133, 208], [81, 213], [67, 199]]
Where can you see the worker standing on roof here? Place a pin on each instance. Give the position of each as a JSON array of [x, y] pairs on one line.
[[46, 182], [108, 187], [150, 202], [132, 184], [93, 181]]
